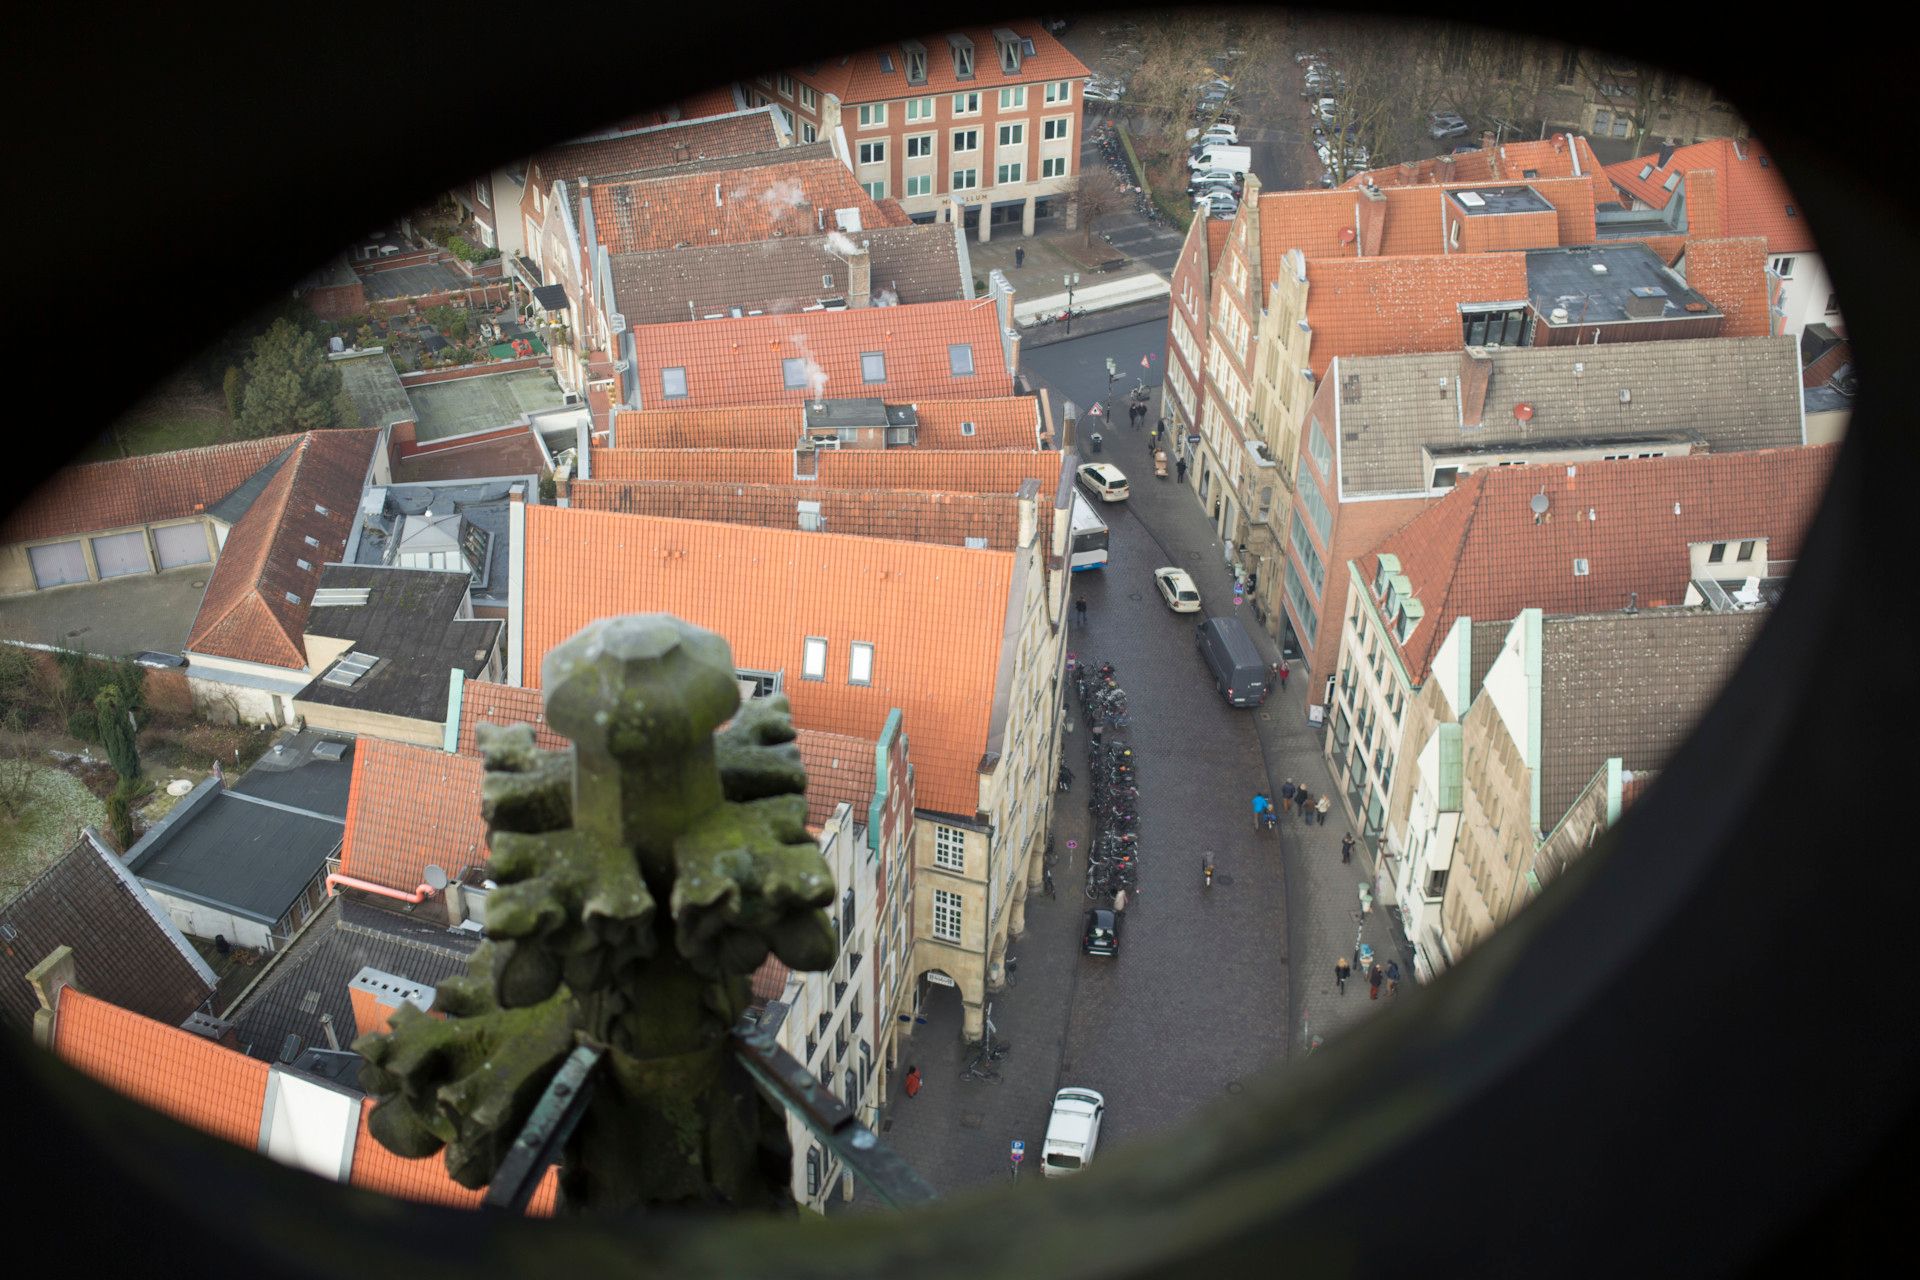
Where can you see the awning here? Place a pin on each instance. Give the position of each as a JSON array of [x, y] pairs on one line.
[[551, 297]]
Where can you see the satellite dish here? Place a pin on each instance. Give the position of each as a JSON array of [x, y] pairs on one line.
[[437, 878], [1538, 502], [1523, 411]]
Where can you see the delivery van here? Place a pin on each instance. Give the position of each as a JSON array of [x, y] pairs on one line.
[[1223, 156], [1239, 673]]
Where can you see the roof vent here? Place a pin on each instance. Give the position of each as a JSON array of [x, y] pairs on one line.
[[1598, 268], [1558, 315], [1471, 199], [1626, 396]]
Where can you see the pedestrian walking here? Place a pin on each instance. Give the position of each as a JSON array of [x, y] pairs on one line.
[[1080, 612], [1153, 445], [1120, 903], [1286, 796], [1019, 257], [1321, 806], [1304, 799], [1160, 427], [1346, 847], [1341, 971], [913, 1081], [1374, 978], [1393, 976], [1285, 671], [1180, 470]]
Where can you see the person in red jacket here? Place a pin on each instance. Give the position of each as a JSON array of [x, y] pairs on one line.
[[913, 1081]]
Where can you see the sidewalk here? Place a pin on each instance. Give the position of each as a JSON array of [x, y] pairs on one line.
[[1039, 283]]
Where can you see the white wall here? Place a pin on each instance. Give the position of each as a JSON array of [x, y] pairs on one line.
[[203, 921], [1804, 295], [1506, 684]]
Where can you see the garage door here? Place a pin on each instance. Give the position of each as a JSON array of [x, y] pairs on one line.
[[180, 544], [59, 563], [121, 554]]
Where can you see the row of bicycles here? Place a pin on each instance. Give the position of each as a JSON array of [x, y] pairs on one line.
[[1113, 784]]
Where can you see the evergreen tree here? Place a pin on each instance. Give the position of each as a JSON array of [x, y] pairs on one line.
[[116, 732], [290, 386]]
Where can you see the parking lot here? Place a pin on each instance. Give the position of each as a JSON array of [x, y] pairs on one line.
[[113, 618]]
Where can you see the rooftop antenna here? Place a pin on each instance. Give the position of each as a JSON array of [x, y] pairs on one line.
[[1633, 602]]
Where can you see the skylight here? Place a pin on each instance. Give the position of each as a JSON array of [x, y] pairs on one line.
[[348, 671]]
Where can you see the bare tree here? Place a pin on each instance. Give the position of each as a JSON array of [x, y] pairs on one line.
[[1097, 194], [1381, 96]]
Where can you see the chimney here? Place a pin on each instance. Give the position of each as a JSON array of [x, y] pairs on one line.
[[1409, 173], [1443, 169], [1486, 141], [860, 277], [326, 1026], [1645, 308], [456, 900], [1476, 375], [1373, 218], [48, 979]]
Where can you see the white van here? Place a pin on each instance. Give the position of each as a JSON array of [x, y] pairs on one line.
[[1223, 156], [1073, 1133]]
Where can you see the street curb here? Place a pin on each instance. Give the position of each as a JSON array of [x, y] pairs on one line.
[[1045, 335]]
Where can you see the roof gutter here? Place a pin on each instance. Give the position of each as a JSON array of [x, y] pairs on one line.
[[420, 894]]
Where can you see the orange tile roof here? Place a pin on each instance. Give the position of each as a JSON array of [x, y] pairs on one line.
[[950, 518], [217, 1090], [934, 614], [862, 77], [932, 470], [1387, 306], [1310, 221], [1325, 224], [766, 197], [177, 1073], [1547, 157], [1412, 226], [1751, 197], [769, 980], [1005, 422], [655, 147], [1217, 229], [839, 767], [128, 491], [738, 361], [1478, 553], [410, 807], [246, 613], [1732, 274]]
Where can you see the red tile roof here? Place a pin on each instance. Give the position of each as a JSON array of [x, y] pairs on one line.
[[839, 767], [1732, 274], [246, 613], [131, 491], [177, 1073], [1478, 553], [769, 980], [950, 518], [1217, 229], [933, 470], [656, 147], [1387, 306], [934, 614], [764, 198], [739, 361], [863, 77], [1554, 157], [1751, 197], [411, 807], [222, 1092], [1005, 422]]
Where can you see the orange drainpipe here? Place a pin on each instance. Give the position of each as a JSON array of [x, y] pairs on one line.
[[354, 882]]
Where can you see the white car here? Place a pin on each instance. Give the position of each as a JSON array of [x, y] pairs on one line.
[[1215, 133], [1105, 480], [1073, 1133], [1177, 589]]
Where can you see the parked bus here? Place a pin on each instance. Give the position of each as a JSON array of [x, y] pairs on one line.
[[1087, 544]]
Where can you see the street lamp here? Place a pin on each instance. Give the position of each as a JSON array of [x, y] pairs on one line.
[[1071, 280]]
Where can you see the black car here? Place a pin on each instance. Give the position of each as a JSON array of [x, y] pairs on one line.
[[1102, 936]]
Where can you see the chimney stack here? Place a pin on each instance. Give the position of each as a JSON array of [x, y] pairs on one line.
[[860, 277], [1476, 375], [1443, 169], [48, 979]]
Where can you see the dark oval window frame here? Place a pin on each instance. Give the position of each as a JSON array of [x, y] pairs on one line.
[[1691, 1048]]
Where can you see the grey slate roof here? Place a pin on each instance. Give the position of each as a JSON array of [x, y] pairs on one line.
[[236, 504], [1627, 685], [1726, 394], [1483, 645], [248, 855], [409, 623], [126, 948], [1565, 278], [310, 978], [291, 774], [373, 384], [913, 264], [484, 504]]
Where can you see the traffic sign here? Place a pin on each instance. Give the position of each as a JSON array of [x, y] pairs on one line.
[[1019, 1151], [1096, 411]]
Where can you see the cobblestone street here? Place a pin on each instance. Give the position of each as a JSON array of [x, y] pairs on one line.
[[1212, 985]]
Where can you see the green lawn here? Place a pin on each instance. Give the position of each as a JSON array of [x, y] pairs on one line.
[[160, 433], [49, 823]]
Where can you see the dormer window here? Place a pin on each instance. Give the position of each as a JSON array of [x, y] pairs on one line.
[[1673, 180], [916, 61], [962, 56], [1010, 57]]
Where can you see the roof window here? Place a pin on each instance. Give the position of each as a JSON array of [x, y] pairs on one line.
[[886, 62], [873, 367], [1673, 180], [960, 359], [916, 61], [307, 565], [311, 541], [859, 666], [1646, 171], [962, 56], [350, 670], [322, 510], [1579, 568], [813, 658], [1791, 213], [966, 428], [292, 598], [673, 382]]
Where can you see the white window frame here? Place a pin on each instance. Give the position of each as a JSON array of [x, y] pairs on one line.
[[972, 134], [874, 152], [920, 108], [881, 356], [813, 658], [967, 103], [807, 97], [873, 115], [949, 915], [965, 179], [1013, 98], [1058, 91], [480, 186], [1013, 133], [924, 141], [808, 133], [919, 184], [1007, 174], [876, 189], [1053, 166], [1056, 129], [667, 394], [860, 663], [949, 848]]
